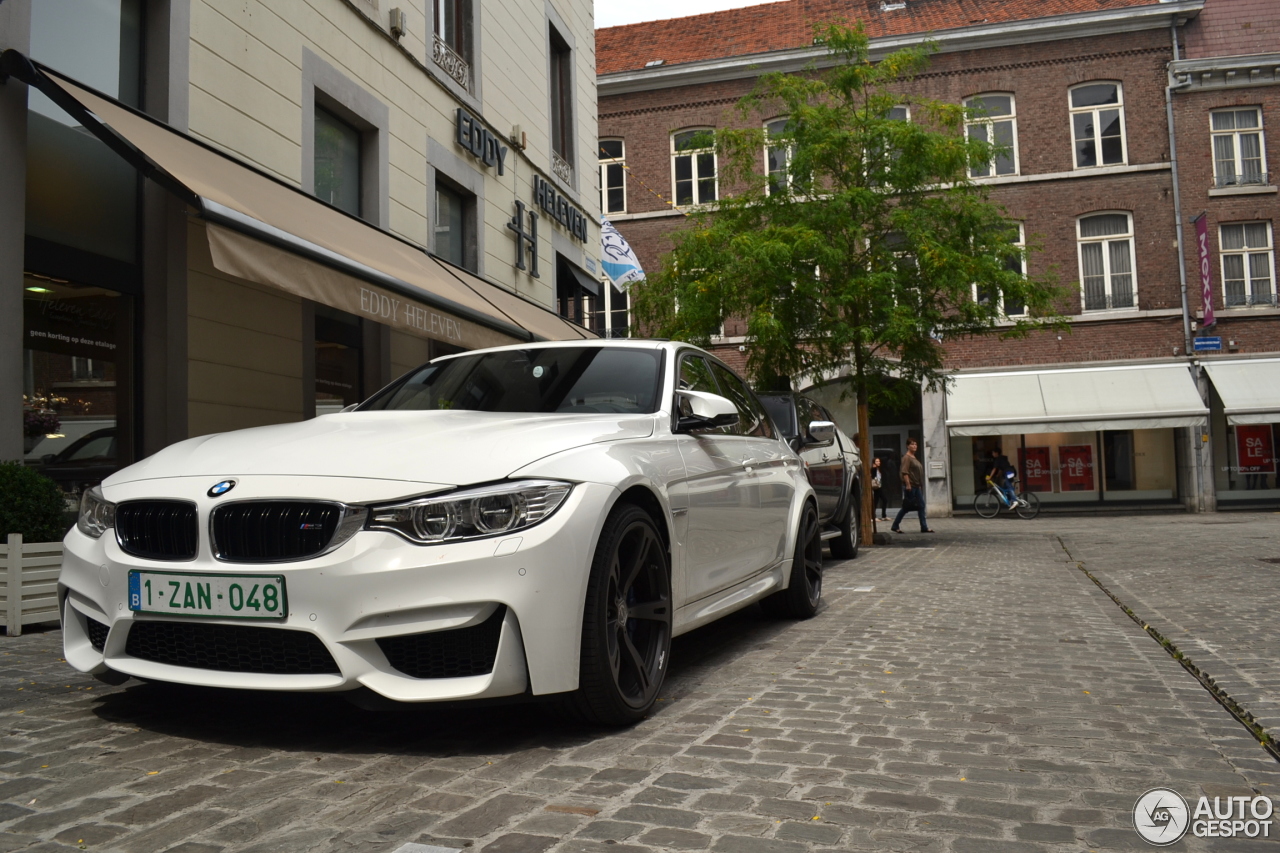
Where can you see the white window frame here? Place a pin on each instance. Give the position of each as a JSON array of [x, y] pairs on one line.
[[989, 123], [1237, 178], [693, 154], [605, 163], [1020, 244], [1095, 110], [1245, 254], [1107, 272], [787, 152]]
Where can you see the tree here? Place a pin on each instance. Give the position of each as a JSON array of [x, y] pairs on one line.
[[861, 250]]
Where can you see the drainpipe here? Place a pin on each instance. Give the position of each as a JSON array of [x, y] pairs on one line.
[[1199, 503], [1177, 196]]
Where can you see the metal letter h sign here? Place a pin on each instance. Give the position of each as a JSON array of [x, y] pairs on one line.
[[531, 237]]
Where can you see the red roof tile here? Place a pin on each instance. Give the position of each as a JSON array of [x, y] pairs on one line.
[[789, 24]]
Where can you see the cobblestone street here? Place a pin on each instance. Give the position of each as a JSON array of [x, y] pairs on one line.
[[974, 690]]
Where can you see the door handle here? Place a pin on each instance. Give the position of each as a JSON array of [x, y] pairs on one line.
[[749, 463]]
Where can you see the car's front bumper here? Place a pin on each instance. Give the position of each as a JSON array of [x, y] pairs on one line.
[[375, 586]]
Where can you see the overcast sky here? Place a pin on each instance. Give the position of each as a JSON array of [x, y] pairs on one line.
[[611, 13]]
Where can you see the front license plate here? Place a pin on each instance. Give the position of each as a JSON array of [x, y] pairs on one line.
[[183, 594]]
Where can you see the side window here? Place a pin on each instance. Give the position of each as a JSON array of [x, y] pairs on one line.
[[752, 418], [695, 375]]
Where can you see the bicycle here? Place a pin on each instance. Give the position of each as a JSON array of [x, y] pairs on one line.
[[989, 503]]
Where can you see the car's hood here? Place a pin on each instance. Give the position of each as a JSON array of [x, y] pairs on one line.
[[448, 447]]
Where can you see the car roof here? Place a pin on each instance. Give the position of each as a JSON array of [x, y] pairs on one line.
[[612, 343]]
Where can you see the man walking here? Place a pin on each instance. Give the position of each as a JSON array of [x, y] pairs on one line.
[[912, 488]]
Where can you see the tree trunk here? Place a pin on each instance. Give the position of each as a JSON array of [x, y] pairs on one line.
[[864, 450]]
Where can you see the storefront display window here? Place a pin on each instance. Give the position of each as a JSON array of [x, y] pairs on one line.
[[1248, 471], [338, 360], [76, 381], [1112, 465]]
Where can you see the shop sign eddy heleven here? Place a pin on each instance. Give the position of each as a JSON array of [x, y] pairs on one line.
[[560, 209], [483, 145], [1162, 817]]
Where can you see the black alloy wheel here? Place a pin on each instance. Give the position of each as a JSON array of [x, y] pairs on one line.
[[626, 630], [803, 595]]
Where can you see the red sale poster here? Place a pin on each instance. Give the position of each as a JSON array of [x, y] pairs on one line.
[[1256, 454], [1076, 461], [1034, 464]]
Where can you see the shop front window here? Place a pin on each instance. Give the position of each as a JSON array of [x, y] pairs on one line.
[[1246, 462], [76, 369], [1073, 467], [79, 193], [338, 360]]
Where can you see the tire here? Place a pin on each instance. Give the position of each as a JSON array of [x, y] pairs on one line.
[[845, 546], [803, 595], [986, 505], [626, 626], [1032, 509]]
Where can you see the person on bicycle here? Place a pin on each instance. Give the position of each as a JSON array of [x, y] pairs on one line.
[[1003, 476]]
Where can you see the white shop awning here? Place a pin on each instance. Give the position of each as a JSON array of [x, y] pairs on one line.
[[1250, 389], [1156, 396]]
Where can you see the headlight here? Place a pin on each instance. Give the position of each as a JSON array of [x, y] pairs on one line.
[[471, 514], [97, 514]]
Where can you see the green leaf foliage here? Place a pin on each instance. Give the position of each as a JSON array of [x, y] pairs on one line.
[[30, 504], [864, 261]]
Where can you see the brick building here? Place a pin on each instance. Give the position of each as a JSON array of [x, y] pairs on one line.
[[1117, 410]]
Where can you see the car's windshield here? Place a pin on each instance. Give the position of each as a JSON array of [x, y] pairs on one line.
[[550, 379]]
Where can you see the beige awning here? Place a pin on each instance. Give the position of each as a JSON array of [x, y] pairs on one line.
[[1155, 396], [272, 233], [1249, 388]]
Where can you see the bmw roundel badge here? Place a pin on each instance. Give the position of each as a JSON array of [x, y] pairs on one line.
[[220, 489]]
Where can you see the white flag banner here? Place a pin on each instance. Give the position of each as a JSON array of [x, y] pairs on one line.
[[619, 261]]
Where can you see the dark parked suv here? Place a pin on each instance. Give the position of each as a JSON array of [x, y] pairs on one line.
[[832, 462]]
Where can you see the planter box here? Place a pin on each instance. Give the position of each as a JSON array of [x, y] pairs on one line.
[[29, 582]]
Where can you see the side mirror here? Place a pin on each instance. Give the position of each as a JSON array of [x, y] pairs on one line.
[[821, 433], [702, 410]]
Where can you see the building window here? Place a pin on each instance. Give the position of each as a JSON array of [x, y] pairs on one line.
[[613, 176], [1237, 147], [561, 107], [1248, 270], [337, 162], [1106, 261], [609, 314], [451, 48], [1097, 125], [693, 165], [777, 158], [1014, 263], [454, 232], [993, 120]]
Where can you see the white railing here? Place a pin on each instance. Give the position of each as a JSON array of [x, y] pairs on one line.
[[562, 168], [29, 582], [453, 64]]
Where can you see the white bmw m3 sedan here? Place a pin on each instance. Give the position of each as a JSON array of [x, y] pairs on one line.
[[531, 520]]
